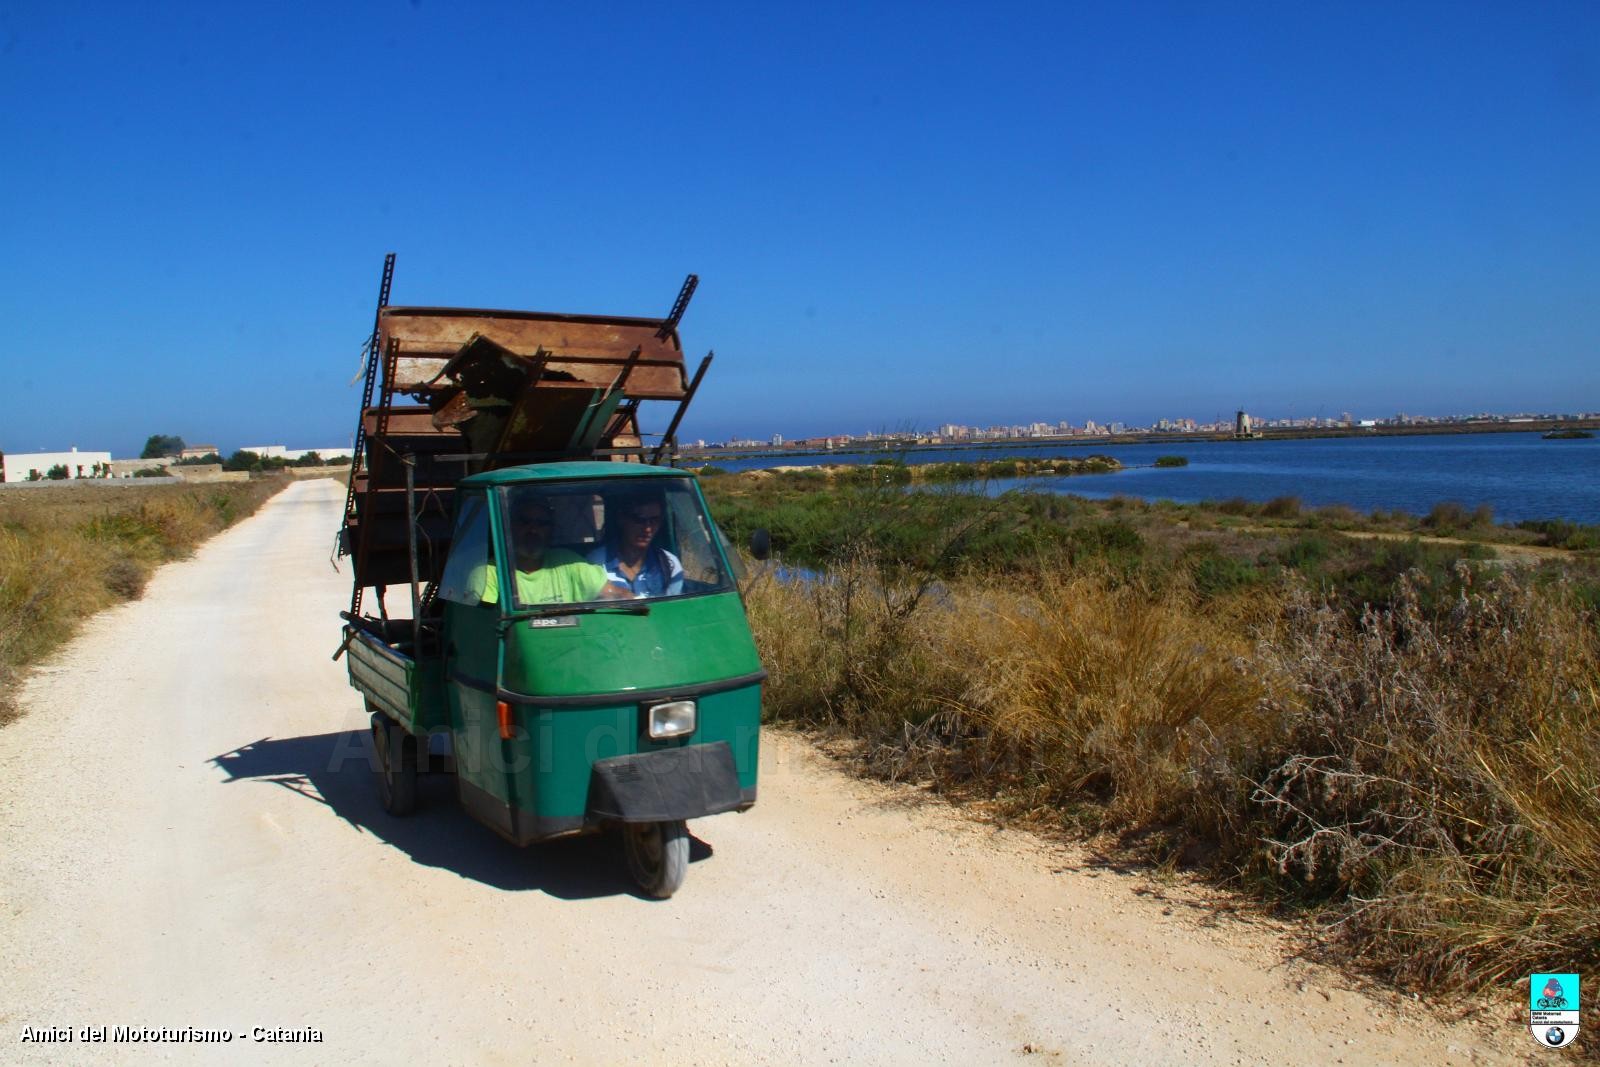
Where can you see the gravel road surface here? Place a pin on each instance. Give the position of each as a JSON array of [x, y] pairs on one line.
[[191, 839]]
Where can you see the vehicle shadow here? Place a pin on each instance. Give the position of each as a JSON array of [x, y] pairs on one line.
[[336, 770]]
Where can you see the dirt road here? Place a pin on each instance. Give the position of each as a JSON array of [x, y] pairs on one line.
[[191, 840], [1508, 553]]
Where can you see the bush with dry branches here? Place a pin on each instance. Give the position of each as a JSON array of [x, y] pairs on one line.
[[1441, 777]]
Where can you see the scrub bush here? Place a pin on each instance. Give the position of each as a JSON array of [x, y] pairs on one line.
[[1451, 517], [1336, 517], [1281, 507]]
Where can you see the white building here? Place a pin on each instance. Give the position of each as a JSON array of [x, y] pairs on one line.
[[31, 466], [280, 452]]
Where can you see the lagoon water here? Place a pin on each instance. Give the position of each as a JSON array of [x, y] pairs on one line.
[[1520, 475]]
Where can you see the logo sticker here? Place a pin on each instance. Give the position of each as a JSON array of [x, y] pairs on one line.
[[1553, 1009]]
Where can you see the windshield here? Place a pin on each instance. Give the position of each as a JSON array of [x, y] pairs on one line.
[[595, 541]]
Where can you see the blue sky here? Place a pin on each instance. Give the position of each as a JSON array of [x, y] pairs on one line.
[[902, 215]]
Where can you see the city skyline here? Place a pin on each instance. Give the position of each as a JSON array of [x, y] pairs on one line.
[[963, 431], [956, 432]]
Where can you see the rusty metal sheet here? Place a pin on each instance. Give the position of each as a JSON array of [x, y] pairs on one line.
[[590, 348], [404, 422], [645, 383], [546, 419], [456, 410], [523, 331]]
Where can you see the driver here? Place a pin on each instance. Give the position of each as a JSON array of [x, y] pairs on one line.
[[546, 575]]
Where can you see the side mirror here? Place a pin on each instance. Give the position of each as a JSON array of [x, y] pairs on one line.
[[761, 544]]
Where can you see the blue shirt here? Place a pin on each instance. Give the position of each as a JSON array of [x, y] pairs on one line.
[[661, 574]]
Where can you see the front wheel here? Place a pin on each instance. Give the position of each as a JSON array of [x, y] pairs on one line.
[[658, 855]]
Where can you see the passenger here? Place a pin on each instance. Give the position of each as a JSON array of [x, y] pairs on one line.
[[628, 552], [546, 575]]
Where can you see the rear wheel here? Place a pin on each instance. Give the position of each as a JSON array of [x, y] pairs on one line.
[[658, 855], [397, 766]]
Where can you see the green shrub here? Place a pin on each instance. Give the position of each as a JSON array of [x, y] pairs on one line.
[[950, 472], [1559, 533], [1114, 542], [1215, 573], [877, 473], [1306, 552]]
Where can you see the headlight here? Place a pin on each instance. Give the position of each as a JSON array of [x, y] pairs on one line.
[[672, 720]]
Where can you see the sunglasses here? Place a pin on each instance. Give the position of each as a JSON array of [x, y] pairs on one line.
[[541, 522], [643, 519]]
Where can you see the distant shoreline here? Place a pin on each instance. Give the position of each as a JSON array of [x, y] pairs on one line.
[[1296, 434]]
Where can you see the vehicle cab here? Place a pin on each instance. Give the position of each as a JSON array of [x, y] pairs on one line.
[[598, 664]]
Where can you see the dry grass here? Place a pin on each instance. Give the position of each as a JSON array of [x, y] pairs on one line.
[[1114, 691], [1425, 776], [69, 551], [1440, 776], [1070, 685]]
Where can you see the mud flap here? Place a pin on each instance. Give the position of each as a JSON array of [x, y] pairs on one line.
[[674, 783]]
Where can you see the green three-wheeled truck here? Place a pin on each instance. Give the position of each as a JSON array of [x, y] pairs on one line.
[[572, 644]]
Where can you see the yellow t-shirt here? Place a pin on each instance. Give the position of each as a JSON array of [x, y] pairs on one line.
[[563, 578]]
